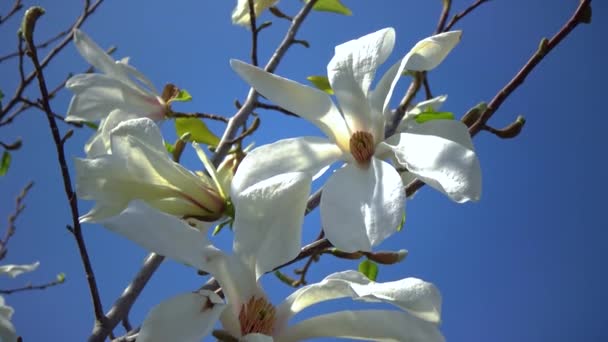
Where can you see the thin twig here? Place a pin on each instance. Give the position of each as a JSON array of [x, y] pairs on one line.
[[199, 116], [32, 287], [243, 113], [11, 228], [463, 14], [545, 47], [87, 11], [275, 108], [17, 5], [67, 182], [38, 46], [445, 11], [26, 104], [254, 33]]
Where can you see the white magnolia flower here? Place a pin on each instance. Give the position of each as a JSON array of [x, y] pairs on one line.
[[138, 167], [7, 329], [261, 244], [240, 14], [120, 93], [362, 202], [15, 270]]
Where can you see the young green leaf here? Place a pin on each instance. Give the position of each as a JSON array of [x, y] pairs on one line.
[[400, 227], [321, 83], [430, 116], [91, 125], [170, 147], [334, 6], [182, 96], [5, 162], [198, 131], [369, 269]]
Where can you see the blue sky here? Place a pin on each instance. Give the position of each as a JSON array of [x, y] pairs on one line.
[[526, 263]]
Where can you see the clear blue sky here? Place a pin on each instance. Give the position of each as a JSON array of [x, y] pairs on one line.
[[526, 263]]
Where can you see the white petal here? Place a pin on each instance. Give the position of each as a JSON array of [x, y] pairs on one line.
[[311, 104], [98, 58], [186, 318], [429, 52], [441, 154], [163, 234], [350, 74], [7, 329], [139, 168], [410, 116], [362, 207], [240, 14], [15, 270], [419, 298], [97, 95], [371, 325], [238, 283], [381, 96], [93, 54], [256, 338], [99, 144], [361, 57], [269, 218], [305, 154]]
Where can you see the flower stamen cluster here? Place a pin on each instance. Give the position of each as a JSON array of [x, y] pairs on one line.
[[257, 316], [362, 147]]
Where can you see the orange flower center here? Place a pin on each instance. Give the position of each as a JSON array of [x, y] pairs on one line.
[[257, 316], [362, 147]]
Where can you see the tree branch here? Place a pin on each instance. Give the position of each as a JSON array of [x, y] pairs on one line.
[[67, 183], [243, 113]]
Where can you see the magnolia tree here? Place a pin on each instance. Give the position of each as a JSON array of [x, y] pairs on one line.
[[371, 157]]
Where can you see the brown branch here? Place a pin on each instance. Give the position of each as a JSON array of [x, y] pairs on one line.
[[545, 47], [199, 116], [445, 11], [463, 14], [17, 5], [87, 11], [26, 104], [38, 46], [11, 228], [67, 182], [275, 108], [254, 33], [122, 306], [33, 287], [243, 113]]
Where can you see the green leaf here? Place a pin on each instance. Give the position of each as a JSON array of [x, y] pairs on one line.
[[430, 116], [334, 6], [5, 163], [400, 227], [182, 96], [197, 129], [91, 125], [170, 147], [369, 269], [321, 83]]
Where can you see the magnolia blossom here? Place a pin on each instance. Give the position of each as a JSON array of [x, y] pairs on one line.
[[120, 93], [7, 329], [138, 167], [240, 14], [262, 243], [363, 202]]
